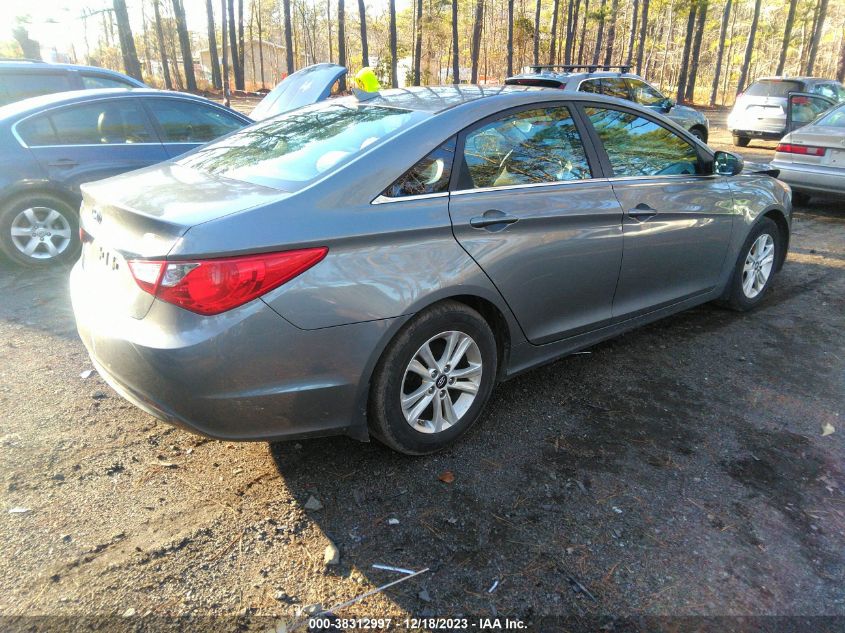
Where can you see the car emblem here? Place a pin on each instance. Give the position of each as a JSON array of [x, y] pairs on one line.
[[98, 217]]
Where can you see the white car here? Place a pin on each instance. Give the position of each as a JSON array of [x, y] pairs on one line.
[[811, 159]]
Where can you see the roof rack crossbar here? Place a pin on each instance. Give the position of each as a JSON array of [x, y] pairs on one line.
[[588, 67]]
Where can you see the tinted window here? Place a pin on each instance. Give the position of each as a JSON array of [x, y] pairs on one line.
[[773, 88], [37, 131], [832, 91], [807, 108], [430, 175], [531, 146], [17, 86], [591, 85], [100, 81], [644, 94], [613, 87], [293, 148], [834, 118], [639, 147], [108, 122], [190, 122]]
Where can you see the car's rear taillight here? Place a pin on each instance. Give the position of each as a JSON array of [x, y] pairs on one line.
[[806, 150], [212, 286]]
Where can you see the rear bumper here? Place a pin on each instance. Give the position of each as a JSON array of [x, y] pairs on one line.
[[756, 127], [247, 374], [811, 178]]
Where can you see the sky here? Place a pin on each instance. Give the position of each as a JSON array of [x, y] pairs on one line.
[[57, 23]]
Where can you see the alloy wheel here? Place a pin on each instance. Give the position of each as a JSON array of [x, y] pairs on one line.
[[758, 265], [441, 382], [41, 233]]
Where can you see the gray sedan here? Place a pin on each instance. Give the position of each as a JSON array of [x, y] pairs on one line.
[[374, 268]]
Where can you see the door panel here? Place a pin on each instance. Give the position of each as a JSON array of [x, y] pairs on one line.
[[529, 212], [803, 107], [677, 219]]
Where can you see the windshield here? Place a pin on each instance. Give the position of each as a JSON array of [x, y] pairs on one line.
[[288, 151], [834, 118], [773, 88]]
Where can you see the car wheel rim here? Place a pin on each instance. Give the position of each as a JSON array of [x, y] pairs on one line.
[[441, 382], [41, 233], [758, 265]]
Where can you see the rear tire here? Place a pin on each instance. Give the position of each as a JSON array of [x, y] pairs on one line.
[[699, 133], [421, 402], [755, 267], [39, 230], [741, 141]]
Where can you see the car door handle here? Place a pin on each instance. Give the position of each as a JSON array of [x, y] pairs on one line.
[[492, 218], [642, 212], [63, 162]]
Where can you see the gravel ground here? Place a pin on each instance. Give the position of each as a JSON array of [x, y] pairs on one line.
[[679, 470]]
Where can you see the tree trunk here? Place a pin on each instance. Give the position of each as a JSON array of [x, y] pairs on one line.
[[289, 61], [365, 54], [611, 32], [212, 47], [787, 36], [477, 28], [689, 94], [817, 34], [537, 33], [241, 49], [682, 74], [583, 37], [840, 73], [127, 43], [643, 33], [570, 44], [509, 69], [162, 49], [260, 47], [418, 43], [632, 38], [720, 52], [233, 47], [749, 48], [224, 52], [456, 67], [185, 46], [341, 40], [599, 34], [553, 42], [394, 80]]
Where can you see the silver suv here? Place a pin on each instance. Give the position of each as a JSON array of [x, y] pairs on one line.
[[760, 111], [613, 81]]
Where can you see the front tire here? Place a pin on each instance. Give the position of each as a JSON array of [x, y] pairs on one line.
[[755, 267], [433, 380], [39, 230]]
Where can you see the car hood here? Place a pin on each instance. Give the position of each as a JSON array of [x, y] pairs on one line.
[[687, 114], [304, 87]]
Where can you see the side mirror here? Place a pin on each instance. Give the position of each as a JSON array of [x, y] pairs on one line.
[[668, 104], [727, 163]]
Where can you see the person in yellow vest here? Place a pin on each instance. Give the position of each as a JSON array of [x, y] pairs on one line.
[[366, 80]]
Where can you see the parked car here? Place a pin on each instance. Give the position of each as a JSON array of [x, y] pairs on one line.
[[760, 111], [25, 78], [812, 158], [50, 145], [614, 81], [377, 266]]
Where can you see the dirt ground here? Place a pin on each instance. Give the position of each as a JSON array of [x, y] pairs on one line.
[[679, 470]]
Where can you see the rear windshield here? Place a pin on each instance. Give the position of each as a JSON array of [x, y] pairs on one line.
[[834, 118], [773, 88], [292, 149]]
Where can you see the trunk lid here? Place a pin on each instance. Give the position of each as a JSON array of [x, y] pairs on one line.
[[142, 215], [304, 87], [831, 138]]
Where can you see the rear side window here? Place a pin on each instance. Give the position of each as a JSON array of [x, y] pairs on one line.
[[610, 86], [191, 122], [773, 88], [291, 149], [637, 146], [107, 122], [832, 91], [430, 175], [99, 81], [531, 146], [16, 86]]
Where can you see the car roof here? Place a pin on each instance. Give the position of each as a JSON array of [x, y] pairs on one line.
[[436, 99], [34, 64], [36, 104], [813, 79]]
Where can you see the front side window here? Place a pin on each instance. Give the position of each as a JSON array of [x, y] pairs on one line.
[[291, 149], [430, 175], [644, 94], [109, 122], [191, 122], [637, 146], [532, 146], [99, 81]]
